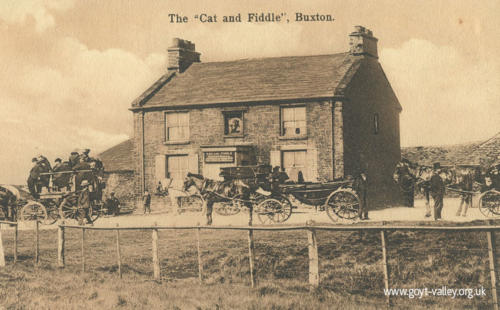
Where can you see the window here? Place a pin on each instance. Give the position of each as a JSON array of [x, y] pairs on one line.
[[233, 123], [177, 169], [293, 121], [177, 126], [293, 162], [375, 123]]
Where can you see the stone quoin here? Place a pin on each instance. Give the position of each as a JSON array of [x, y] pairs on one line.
[[326, 116]]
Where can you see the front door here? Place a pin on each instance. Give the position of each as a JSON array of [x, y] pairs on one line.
[[177, 169]]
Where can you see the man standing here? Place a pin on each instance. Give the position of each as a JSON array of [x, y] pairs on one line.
[[437, 191], [84, 204], [146, 201], [361, 188], [466, 196]]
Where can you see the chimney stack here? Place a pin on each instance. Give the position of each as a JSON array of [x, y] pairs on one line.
[[181, 55], [362, 42]]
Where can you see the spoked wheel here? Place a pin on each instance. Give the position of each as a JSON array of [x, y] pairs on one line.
[[34, 211], [68, 209], [285, 212], [343, 204], [271, 210], [228, 208], [489, 203]]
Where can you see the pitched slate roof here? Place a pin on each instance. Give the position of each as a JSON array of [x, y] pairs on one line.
[[250, 80], [119, 157]]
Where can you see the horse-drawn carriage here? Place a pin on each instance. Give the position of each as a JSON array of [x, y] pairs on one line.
[[80, 192], [252, 187], [462, 179]]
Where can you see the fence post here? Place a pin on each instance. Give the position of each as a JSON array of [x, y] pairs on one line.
[[118, 253], [200, 265], [2, 253], [156, 261], [251, 257], [60, 245], [83, 249], [37, 243], [384, 265], [313, 257], [15, 243], [491, 251]]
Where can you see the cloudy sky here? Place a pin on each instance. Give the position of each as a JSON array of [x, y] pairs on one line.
[[70, 69]]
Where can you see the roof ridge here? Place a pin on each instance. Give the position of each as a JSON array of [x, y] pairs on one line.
[[272, 57]]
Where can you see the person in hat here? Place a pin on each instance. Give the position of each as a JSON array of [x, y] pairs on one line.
[[74, 158], [84, 201], [146, 201], [437, 190], [33, 179], [361, 187]]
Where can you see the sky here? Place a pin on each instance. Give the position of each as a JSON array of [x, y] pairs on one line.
[[69, 69]]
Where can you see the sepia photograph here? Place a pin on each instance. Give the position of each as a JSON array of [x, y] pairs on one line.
[[328, 154]]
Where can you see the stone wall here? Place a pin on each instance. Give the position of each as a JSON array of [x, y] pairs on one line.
[[261, 128]]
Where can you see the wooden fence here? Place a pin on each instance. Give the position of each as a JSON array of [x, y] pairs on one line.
[[314, 279]]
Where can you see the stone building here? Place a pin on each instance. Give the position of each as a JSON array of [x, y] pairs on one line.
[[327, 116], [119, 172]]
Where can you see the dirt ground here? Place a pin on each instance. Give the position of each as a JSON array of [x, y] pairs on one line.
[[299, 217]]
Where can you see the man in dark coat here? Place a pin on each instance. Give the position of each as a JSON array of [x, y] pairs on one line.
[[361, 187], [437, 191], [33, 177], [84, 201], [146, 202]]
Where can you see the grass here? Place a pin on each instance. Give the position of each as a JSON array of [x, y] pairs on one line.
[[350, 271]]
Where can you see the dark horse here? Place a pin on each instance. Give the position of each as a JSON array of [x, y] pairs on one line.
[[220, 191]]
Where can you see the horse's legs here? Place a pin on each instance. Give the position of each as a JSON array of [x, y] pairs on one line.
[[210, 205]]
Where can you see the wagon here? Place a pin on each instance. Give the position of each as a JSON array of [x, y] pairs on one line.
[[54, 203], [269, 206], [337, 198]]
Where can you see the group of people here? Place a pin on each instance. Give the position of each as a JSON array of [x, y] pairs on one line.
[[39, 175], [434, 183]]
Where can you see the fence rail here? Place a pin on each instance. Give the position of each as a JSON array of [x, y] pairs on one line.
[[309, 228]]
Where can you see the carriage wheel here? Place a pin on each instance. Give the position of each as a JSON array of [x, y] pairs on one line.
[[95, 211], [34, 211], [228, 208], [268, 209], [344, 204], [489, 203], [285, 213], [68, 209]]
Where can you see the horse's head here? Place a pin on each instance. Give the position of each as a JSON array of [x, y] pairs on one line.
[[402, 169], [424, 174], [192, 179]]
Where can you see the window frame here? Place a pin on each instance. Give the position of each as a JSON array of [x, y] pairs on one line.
[[166, 127], [226, 114], [303, 133]]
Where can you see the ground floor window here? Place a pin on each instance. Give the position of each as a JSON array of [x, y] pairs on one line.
[[294, 162], [177, 169]]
